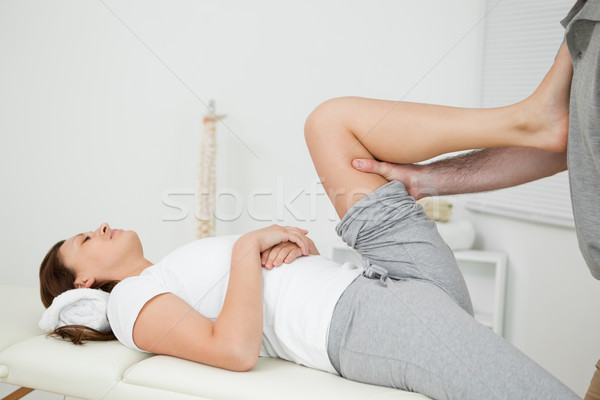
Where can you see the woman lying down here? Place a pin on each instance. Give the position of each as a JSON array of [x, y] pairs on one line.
[[404, 321]]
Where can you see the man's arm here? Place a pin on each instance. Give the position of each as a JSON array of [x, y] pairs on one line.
[[477, 171]]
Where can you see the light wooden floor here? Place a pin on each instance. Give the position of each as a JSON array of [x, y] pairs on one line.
[[6, 389]]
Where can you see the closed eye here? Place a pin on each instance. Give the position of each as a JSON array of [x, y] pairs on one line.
[[84, 240]]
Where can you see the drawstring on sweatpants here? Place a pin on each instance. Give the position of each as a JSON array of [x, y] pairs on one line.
[[373, 271]]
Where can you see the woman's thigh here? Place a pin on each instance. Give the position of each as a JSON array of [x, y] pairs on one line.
[[332, 148], [390, 230], [410, 335]]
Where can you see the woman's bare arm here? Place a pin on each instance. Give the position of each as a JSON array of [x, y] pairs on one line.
[[168, 325]]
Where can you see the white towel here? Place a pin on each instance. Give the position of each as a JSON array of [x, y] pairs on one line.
[[77, 307]]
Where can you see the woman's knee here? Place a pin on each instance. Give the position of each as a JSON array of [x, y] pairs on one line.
[[326, 117]]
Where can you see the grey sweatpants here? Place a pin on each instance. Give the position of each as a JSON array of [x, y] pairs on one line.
[[417, 333]]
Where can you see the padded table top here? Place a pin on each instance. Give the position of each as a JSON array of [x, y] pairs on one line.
[[109, 370]]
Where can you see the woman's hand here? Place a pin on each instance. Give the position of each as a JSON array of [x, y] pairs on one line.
[[267, 238], [284, 253]]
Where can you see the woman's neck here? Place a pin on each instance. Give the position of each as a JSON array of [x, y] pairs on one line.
[[135, 267]]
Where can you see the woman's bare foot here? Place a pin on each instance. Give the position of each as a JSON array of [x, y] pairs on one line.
[[547, 109]]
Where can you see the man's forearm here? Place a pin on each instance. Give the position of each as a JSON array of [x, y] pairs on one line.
[[483, 170]]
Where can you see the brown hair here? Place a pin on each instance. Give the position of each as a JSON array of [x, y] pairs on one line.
[[56, 278]]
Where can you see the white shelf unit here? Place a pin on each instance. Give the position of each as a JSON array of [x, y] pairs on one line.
[[342, 254], [485, 275]]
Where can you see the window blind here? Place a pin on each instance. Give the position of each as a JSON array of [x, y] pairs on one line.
[[521, 39]]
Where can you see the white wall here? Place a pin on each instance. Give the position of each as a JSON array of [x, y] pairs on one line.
[[101, 106], [95, 127]]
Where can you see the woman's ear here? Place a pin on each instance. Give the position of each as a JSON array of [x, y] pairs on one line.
[[84, 282]]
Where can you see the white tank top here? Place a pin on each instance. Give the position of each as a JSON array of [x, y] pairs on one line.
[[298, 298]]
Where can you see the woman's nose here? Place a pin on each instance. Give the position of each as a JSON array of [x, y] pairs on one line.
[[103, 228]]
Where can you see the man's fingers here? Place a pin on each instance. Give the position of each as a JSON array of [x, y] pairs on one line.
[[367, 165], [375, 167]]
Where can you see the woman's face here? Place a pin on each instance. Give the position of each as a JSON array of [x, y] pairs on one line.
[[100, 255]]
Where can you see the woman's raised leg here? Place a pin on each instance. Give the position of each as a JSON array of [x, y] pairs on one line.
[[343, 129], [387, 227], [447, 354]]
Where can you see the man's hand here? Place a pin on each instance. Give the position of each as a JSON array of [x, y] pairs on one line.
[[284, 253], [405, 173], [391, 172], [475, 171]]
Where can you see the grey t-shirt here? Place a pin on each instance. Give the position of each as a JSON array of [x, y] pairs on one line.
[[583, 155]]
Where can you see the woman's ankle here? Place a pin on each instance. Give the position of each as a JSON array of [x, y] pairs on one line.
[[547, 109], [542, 122]]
